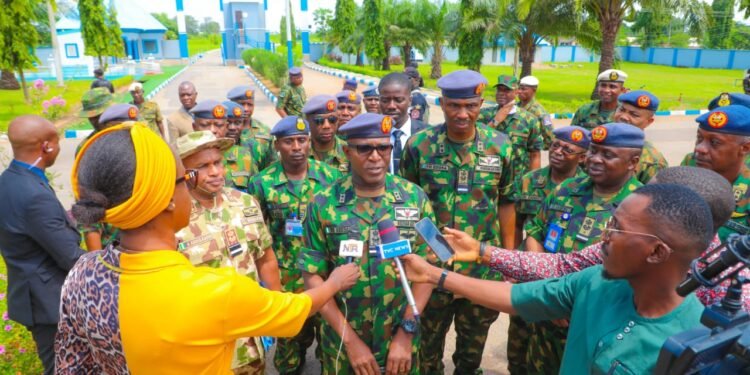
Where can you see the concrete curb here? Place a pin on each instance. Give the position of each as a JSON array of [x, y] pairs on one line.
[[433, 99], [271, 97]]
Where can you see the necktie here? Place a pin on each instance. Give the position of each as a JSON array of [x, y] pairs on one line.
[[397, 148]]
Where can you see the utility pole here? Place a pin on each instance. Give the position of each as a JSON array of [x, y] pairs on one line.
[[55, 44], [289, 55]]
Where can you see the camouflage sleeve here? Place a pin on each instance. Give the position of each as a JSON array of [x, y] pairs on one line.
[[577, 117], [537, 226], [312, 257], [264, 236], [506, 178], [409, 165], [255, 188], [283, 97], [486, 115], [536, 134]]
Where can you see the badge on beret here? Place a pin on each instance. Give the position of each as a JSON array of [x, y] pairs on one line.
[[576, 135], [643, 101], [598, 134], [724, 100], [300, 124], [236, 111], [386, 125], [717, 120], [479, 89], [352, 96], [132, 113], [219, 111], [249, 94], [330, 105], [613, 76]]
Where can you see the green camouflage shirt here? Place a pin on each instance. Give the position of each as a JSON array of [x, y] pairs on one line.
[[236, 237], [291, 99], [524, 132], [258, 140], [545, 120], [376, 303], [589, 116], [149, 113], [279, 201], [335, 157], [740, 221], [238, 167], [573, 207], [533, 188], [464, 191], [651, 162]]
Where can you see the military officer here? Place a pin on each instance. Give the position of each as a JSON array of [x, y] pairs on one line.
[[574, 215], [567, 152], [723, 100], [371, 98], [465, 169], [292, 96], [637, 108], [238, 163], [255, 135], [371, 321], [93, 103], [609, 86], [149, 110], [722, 145], [523, 128], [235, 120], [350, 105], [284, 190], [350, 84], [527, 101], [226, 230], [320, 113], [419, 109], [180, 122]]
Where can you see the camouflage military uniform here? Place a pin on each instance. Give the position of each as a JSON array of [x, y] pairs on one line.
[[238, 167], [234, 237], [292, 99], [375, 305], [586, 215], [590, 116], [279, 201], [150, 114], [465, 183], [651, 162], [740, 221], [334, 157], [257, 139], [524, 132], [108, 233], [545, 121]]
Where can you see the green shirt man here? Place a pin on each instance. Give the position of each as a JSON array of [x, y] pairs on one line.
[[292, 96], [609, 86]]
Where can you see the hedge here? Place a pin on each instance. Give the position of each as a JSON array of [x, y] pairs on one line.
[[268, 64]]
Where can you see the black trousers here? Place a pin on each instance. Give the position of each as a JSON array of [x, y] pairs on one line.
[[44, 336]]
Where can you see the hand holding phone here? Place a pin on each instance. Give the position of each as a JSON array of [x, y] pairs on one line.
[[434, 239]]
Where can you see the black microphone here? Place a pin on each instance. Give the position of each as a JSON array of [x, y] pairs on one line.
[[389, 234], [737, 251]]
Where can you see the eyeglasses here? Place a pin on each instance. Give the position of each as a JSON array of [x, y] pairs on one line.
[[609, 229], [320, 120], [564, 149], [190, 178], [368, 149]]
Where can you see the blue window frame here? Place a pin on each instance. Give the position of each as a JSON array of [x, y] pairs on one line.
[[71, 50], [150, 46]]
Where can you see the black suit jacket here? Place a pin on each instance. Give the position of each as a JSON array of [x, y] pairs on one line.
[[39, 245]]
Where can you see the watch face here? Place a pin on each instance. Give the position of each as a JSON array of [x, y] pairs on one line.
[[409, 326]]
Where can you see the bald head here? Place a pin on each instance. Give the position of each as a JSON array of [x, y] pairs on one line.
[[33, 137], [187, 94]]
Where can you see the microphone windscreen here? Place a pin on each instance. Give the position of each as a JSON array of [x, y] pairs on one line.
[[387, 231]]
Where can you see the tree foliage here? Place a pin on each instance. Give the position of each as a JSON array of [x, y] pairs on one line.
[[18, 37], [434, 20], [722, 15], [374, 31], [282, 30], [100, 31], [323, 20], [169, 23], [478, 18], [344, 26]]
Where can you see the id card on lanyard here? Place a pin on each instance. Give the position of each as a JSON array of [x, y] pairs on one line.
[[554, 235]]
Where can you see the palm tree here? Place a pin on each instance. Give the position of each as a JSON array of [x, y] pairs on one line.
[[479, 22], [436, 22]]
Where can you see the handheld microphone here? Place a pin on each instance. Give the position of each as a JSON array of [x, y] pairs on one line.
[[737, 250], [391, 248], [351, 248]]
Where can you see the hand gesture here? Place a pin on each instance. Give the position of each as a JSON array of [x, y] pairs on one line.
[[465, 247], [417, 269], [344, 277], [361, 358]]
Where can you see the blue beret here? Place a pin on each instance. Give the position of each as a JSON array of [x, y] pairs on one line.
[[726, 99], [641, 99], [617, 134], [241, 93], [367, 125], [209, 109], [290, 125], [574, 135], [348, 96], [350, 82], [373, 91], [462, 84], [295, 71], [234, 110], [119, 113], [320, 104], [732, 119]]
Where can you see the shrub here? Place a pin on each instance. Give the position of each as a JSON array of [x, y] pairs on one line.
[[54, 108], [268, 64], [17, 348]]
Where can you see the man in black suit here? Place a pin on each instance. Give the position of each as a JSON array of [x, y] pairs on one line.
[[37, 241], [395, 99]]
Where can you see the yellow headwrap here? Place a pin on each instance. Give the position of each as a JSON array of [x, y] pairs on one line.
[[154, 181]]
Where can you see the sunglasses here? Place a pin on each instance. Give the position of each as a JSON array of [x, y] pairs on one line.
[[320, 120], [564, 149], [190, 178], [364, 150]]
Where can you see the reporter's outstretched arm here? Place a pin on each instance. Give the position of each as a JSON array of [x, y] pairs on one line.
[[322, 292]]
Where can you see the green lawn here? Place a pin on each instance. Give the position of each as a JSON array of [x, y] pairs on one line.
[[563, 89], [17, 348], [200, 44]]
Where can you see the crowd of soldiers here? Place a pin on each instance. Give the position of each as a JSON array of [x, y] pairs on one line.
[[276, 202]]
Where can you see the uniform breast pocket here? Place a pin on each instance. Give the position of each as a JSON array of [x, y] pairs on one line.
[[436, 176], [519, 139], [485, 190]]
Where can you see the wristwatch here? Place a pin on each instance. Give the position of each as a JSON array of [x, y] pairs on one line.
[[409, 326]]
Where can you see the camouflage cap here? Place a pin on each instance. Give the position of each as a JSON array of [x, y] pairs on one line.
[[95, 101], [508, 81], [191, 143]]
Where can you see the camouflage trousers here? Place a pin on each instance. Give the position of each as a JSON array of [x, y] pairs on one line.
[[518, 344], [257, 367], [291, 352], [546, 347], [471, 324]]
